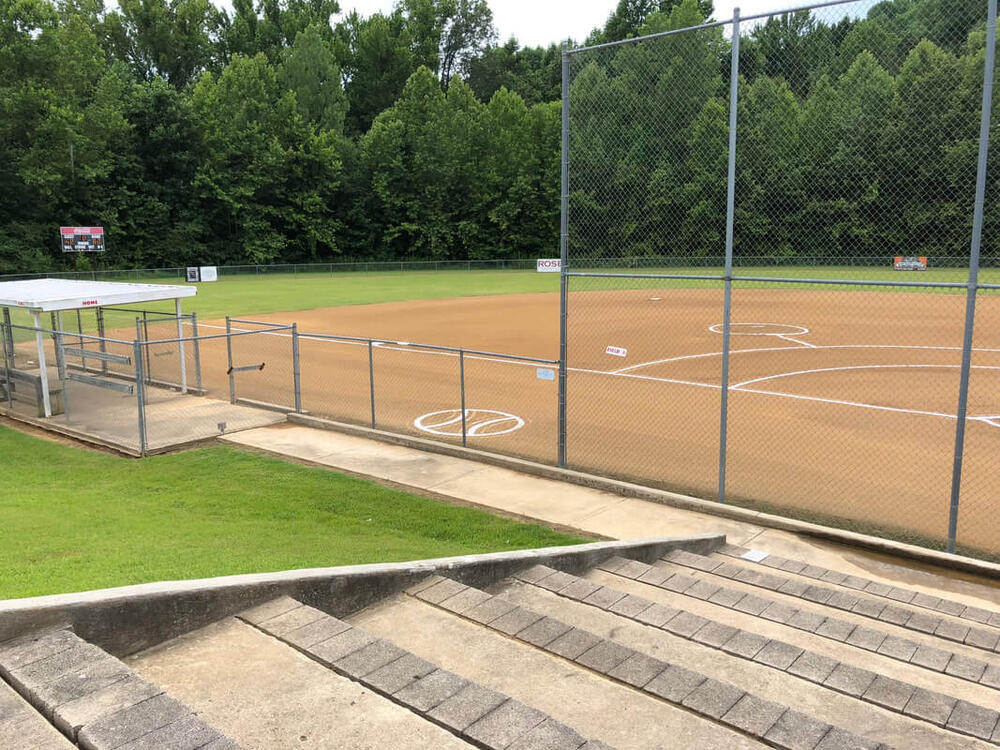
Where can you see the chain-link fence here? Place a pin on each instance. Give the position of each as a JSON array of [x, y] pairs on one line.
[[710, 171], [713, 173]]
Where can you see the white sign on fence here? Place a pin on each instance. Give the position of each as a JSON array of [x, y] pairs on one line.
[[209, 273], [548, 265], [544, 373], [616, 351]]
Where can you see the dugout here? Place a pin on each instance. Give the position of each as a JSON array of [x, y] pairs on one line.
[[57, 296]]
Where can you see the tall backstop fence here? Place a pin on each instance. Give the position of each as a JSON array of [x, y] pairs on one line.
[[839, 130]]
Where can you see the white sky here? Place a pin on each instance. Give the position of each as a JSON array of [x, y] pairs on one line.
[[542, 22]]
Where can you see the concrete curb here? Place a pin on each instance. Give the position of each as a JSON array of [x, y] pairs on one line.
[[125, 620], [664, 497]]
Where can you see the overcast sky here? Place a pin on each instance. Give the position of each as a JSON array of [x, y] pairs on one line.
[[542, 22]]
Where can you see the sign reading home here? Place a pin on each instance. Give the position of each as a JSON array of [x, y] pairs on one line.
[[616, 351], [548, 265]]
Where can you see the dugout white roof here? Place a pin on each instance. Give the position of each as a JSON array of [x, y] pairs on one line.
[[45, 295]]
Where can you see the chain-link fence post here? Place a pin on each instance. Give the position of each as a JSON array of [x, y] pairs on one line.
[[229, 355], [461, 381], [8, 339], [727, 303], [140, 393], [61, 365], [564, 258], [197, 352], [371, 378], [973, 286], [296, 376], [79, 330], [102, 344], [8, 359]]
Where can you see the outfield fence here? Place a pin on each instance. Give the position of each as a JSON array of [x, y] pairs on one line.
[[611, 262]]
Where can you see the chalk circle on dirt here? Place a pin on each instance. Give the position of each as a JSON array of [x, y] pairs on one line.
[[761, 329], [478, 422]]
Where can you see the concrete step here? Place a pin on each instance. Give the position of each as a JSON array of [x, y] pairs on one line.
[[267, 695], [22, 726], [883, 607], [590, 702], [94, 699], [484, 717], [918, 599], [762, 634], [636, 666]]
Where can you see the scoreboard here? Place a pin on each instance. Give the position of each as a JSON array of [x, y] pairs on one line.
[[81, 239]]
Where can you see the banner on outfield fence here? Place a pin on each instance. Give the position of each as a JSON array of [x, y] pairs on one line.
[[202, 273], [548, 265], [900, 263]]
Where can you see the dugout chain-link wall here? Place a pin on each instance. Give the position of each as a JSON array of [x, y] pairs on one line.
[[836, 130]]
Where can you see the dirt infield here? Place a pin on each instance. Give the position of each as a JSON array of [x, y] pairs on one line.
[[842, 402]]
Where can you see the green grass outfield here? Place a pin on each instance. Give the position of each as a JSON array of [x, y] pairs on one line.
[[248, 295], [74, 520]]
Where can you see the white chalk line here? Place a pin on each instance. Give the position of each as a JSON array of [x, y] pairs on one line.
[[992, 420], [853, 367], [683, 357]]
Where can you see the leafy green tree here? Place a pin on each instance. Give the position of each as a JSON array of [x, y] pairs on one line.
[[468, 28], [376, 58], [168, 38], [309, 68], [268, 178]]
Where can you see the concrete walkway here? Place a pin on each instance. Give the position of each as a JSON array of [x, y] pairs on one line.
[[588, 510]]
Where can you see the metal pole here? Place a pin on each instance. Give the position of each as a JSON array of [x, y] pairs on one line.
[[197, 351], [61, 364], [7, 359], [145, 337], [564, 258], [727, 303], [9, 342], [461, 380], [229, 354], [57, 325], [371, 378], [970, 303], [102, 343], [180, 344], [42, 367], [140, 394], [79, 330], [296, 375]]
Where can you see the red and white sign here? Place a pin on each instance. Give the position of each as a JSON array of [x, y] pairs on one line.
[[81, 239], [616, 351], [548, 265]]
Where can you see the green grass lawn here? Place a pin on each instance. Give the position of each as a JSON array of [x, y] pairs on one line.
[[74, 520], [248, 295]]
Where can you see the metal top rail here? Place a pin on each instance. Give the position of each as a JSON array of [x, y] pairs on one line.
[[431, 347], [785, 280], [233, 334], [72, 334], [709, 25]]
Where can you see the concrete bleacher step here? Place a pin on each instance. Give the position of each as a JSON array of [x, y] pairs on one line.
[[93, 698], [750, 719], [942, 605], [840, 670], [469, 710], [22, 726], [864, 602]]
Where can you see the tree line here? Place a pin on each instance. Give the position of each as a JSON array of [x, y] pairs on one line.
[[284, 131]]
